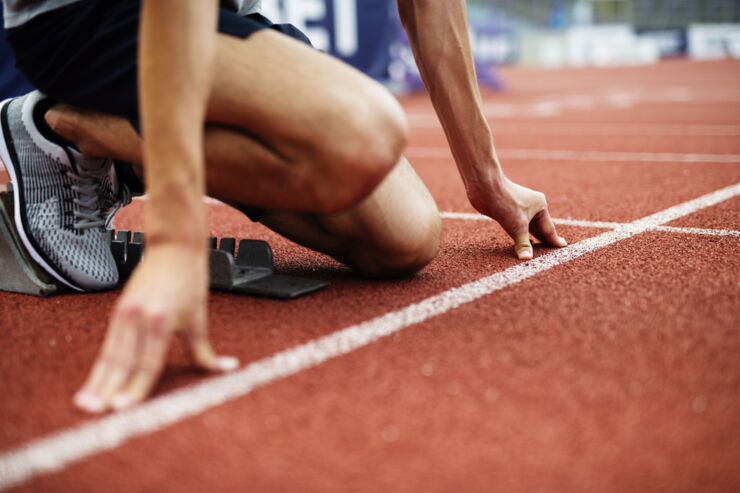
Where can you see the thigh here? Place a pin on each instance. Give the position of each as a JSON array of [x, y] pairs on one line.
[[394, 231], [295, 98], [85, 54]]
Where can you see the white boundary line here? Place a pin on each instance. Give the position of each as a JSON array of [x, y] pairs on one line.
[[605, 100], [56, 451], [559, 221], [566, 155], [470, 216], [698, 231], [421, 121]]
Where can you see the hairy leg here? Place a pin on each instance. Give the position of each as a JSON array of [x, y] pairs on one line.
[[322, 135], [393, 231], [306, 134]]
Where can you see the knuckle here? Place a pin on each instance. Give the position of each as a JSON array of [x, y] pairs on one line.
[[128, 313], [155, 323]]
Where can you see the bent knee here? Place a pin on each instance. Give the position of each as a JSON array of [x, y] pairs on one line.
[[407, 255], [366, 145]]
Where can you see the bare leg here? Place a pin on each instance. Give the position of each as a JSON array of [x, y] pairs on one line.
[[395, 231], [303, 144]]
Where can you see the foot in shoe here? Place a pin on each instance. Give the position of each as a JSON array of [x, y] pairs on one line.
[[58, 196]]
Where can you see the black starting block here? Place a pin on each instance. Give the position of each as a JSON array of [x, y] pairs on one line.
[[246, 270]]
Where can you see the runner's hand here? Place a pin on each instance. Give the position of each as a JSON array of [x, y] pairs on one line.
[[166, 294], [520, 211]]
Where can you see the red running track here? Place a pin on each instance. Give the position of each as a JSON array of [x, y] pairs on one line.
[[614, 370]]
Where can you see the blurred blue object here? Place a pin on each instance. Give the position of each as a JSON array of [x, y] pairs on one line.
[[368, 35], [493, 42], [357, 31], [12, 82]]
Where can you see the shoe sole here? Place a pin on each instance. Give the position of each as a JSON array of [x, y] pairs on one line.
[[36, 253]]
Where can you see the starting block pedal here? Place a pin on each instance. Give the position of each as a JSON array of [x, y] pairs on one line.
[[19, 273], [246, 270]]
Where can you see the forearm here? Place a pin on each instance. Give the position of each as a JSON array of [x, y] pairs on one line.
[[176, 53], [438, 33]]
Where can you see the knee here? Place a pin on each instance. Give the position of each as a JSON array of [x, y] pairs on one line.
[[366, 143], [404, 255]]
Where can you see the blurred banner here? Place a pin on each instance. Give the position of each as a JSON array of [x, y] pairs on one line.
[[357, 31], [365, 33], [368, 35]]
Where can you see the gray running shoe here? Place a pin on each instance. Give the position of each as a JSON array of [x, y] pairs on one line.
[[112, 194], [57, 200]]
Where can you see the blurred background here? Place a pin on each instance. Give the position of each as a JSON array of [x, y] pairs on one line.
[[541, 33]]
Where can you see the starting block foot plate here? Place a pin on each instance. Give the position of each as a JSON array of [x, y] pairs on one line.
[[248, 271], [18, 271], [280, 287]]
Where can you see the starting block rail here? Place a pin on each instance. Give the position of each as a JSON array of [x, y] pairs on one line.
[[247, 269]]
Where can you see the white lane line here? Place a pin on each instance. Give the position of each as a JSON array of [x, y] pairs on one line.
[[587, 224], [698, 231], [564, 155], [56, 451], [428, 121], [609, 99], [559, 221], [471, 216]]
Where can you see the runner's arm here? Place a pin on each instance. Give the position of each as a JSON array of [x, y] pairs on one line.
[[167, 293], [438, 33]]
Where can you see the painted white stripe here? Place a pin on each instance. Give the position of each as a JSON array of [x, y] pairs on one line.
[[601, 224], [609, 99], [428, 121], [564, 155], [560, 221], [698, 231], [54, 452], [471, 216], [587, 224]]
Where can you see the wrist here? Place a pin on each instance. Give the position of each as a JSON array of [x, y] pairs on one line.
[[185, 227], [483, 174]]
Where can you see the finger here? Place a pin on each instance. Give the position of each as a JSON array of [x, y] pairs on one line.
[[543, 229], [523, 247], [202, 351], [113, 365], [154, 337]]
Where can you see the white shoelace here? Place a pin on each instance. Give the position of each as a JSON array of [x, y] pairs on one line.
[[87, 212]]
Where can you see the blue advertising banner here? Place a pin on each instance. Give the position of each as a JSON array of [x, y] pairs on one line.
[[368, 35], [357, 31], [365, 33]]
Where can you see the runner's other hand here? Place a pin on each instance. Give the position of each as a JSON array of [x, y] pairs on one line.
[[166, 294], [520, 211]]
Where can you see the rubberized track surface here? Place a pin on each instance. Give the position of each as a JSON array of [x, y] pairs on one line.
[[611, 365]]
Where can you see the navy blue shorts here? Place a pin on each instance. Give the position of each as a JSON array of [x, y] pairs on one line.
[[85, 54]]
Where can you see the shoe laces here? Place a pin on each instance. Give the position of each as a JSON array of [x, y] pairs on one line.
[[87, 214]]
